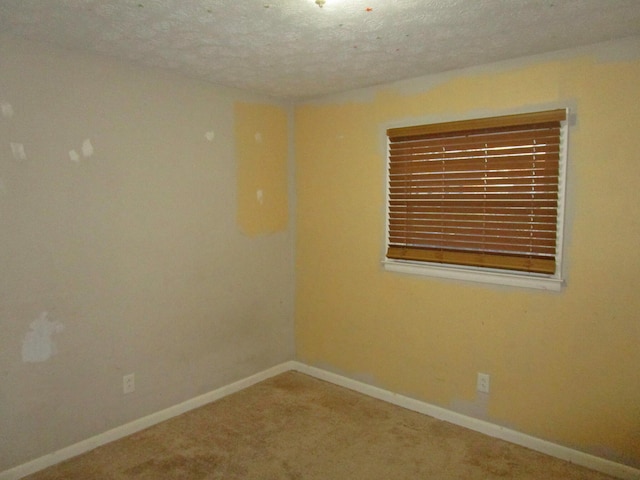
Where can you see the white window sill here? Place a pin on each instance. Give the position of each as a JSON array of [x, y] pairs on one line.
[[471, 274]]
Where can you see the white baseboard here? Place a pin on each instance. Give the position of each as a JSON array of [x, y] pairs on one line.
[[140, 424], [543, 446], [574, 456]]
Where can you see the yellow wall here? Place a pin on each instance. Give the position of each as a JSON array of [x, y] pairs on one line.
[[261, 135], [564, 367]]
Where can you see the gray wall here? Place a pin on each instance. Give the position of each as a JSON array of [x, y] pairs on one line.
[[120, 251]]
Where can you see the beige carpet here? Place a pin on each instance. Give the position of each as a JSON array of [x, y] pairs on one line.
[[296, 427]]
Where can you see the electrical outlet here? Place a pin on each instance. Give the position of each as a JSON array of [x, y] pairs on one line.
[[483, 382], [128, 383]]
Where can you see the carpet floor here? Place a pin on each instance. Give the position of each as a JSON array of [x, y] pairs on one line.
[[296, 427]]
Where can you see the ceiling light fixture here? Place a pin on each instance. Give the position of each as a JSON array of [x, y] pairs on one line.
[[320, 3]]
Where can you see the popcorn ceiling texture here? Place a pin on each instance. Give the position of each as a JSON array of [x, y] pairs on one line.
[[293, 49]]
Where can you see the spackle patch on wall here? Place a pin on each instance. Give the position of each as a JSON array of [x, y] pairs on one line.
[[87, 148], [6, 109], [17, 149], [210, 135], [38, 344]]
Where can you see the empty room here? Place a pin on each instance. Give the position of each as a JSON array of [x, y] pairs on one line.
[[319, 239]]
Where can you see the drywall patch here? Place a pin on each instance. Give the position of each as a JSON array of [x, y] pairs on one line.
[[6, 109], [258, 137], [38, 345], [17, 149], [260, 197], [210, 135]]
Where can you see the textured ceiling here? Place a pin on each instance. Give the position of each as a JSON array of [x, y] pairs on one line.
[[294, 49]]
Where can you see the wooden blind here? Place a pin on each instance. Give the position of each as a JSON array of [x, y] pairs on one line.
[[479, 193]]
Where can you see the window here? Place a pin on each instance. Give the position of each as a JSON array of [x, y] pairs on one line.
[[479, 199]]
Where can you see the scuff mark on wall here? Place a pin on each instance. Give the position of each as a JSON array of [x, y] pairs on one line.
[[38, 345]]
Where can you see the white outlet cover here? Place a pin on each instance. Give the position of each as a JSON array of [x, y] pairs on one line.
[[483, 382], [128, 383]]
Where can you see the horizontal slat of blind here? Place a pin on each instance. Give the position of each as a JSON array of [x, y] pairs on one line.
[[426, 148], [426, 143], [522, 182], [482, 197]]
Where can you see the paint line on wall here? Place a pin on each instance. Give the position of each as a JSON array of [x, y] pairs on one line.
[[6, 109], [17, 149], [38, 344], [210, 135]]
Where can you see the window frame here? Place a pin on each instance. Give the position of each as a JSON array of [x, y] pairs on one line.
[[496, 276]]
